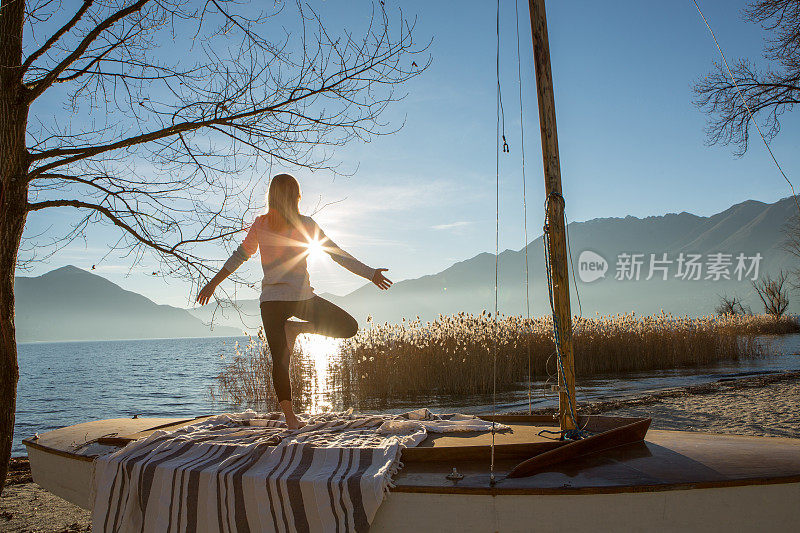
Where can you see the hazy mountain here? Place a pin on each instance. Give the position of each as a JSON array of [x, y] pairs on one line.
[[72, 304], [750, 227]]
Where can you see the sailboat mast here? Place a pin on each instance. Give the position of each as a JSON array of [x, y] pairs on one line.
[[557, 257]]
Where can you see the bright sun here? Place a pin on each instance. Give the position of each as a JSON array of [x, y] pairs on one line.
[[315, 251]]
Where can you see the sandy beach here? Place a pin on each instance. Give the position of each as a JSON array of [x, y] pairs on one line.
[[766, 405], [27, 507]]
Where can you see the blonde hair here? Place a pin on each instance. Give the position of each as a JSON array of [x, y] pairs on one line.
[[283, 202]]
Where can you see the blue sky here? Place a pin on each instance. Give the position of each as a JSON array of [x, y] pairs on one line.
[[631, 141]]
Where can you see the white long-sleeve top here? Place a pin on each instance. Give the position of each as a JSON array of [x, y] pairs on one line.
[[283, 258]]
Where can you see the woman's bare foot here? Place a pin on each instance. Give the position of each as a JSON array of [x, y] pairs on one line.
[[293, 328], [292, 422]]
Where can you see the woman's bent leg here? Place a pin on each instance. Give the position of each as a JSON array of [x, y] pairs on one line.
[[327, 318]]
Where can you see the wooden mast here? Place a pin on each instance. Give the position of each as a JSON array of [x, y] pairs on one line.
[[555, 211]]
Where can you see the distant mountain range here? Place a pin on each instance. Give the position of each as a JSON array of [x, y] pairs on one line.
[[72, 304], [747, 228]]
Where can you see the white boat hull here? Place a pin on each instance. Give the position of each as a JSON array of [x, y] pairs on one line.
[[760, 508]]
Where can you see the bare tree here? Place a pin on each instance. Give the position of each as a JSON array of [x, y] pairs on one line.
[[769, 92], [731, 305], [791, 244], [168, 109], [774, 293]]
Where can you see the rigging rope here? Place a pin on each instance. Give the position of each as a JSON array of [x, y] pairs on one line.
[[499, 111], [524, 215], [572, 269], [746, 105]]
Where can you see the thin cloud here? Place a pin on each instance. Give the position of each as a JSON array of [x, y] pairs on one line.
[[451, 225], [369, 197]]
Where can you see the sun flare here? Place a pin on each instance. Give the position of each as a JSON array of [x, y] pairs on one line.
[[315, 250]]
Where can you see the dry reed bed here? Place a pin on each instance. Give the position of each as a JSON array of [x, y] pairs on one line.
[[456, 354], [767, 324]]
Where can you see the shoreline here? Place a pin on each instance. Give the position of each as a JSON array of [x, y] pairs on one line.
[[720, 385], [766, 405], [762, 405]]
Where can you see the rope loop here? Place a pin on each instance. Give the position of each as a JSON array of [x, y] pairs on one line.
[[575, 434], [568, 434], [554, 196]]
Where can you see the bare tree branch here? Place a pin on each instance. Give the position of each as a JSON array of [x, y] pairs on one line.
[[732, 305], [57, 35], [773, 293], [39, 86], [768, 92], [36, 206], [242, 107], [82, 153]]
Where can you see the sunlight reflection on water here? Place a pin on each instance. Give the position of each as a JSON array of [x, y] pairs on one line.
[[321, 350]]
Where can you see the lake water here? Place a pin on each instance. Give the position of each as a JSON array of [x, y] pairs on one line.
[[71, 382]]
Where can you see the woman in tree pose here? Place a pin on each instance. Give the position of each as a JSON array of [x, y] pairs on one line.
[[285, 236]]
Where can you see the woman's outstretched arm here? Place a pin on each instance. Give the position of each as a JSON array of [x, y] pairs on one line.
[[239, 256], [207, 291], [375, 275]]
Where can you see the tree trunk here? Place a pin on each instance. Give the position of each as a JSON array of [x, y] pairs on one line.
[[13, 207], [12, 221]]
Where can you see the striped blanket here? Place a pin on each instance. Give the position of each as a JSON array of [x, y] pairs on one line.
[[247, 472]]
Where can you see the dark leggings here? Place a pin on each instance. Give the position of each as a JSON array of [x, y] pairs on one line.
[[326, 319]]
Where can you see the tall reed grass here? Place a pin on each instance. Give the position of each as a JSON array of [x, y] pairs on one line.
[[768, 324], [456, 354]]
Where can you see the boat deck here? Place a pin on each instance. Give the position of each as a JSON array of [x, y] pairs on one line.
[[666, 460]]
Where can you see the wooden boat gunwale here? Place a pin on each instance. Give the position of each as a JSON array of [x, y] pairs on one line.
[[622, 489], [597, 423], [620, 436]]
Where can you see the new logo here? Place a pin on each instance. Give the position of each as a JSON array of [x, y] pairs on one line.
[[591, 266]]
